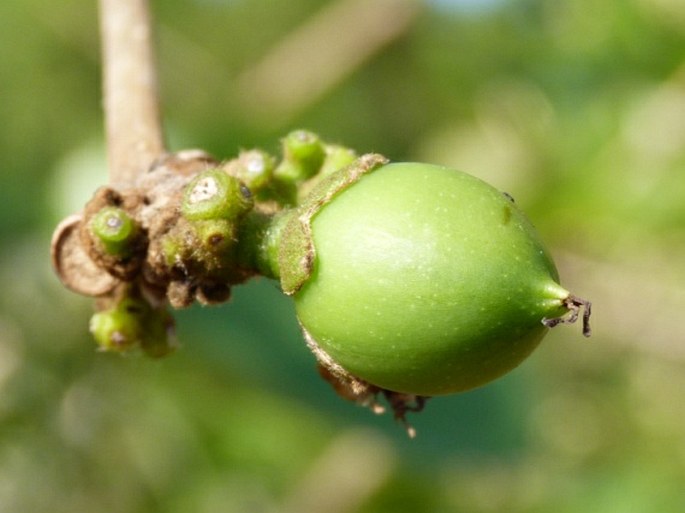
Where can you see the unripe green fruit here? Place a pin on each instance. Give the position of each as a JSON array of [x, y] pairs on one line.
[[427, 281], [213, 194], [115, 230]]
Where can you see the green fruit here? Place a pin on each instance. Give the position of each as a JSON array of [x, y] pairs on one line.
[[427, 281]]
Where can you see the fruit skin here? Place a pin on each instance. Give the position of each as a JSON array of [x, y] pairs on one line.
[[426, 281]]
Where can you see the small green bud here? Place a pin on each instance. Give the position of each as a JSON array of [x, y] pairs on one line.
[[199, 248], [214, 235], [120, 328], [284, 193], [303, 146], [211, 255], [116, 230], [337, 157], [303, 155], [172, 248], [213, 194], [132, 323], [255, 169]]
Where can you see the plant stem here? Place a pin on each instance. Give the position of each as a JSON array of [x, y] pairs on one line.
[[132, 115], [260, 235]]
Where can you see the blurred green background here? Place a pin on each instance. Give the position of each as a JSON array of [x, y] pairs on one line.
[[575, 107]]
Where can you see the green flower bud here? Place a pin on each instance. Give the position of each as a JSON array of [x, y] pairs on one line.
[[337, 157], [116, 230], [255, 169], [120, 328], [132, 323], [214, 235], [200, 248], [303, 155], [172, 248], [213, 194]]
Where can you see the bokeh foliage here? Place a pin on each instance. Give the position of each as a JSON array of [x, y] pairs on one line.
[[576, 108]]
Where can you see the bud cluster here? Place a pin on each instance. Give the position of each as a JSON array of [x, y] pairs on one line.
[[189, 229]]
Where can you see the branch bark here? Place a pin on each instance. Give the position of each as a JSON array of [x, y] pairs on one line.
[[131, 102]]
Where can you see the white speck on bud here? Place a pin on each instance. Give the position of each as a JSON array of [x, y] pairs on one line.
[[204, 190], [114, 222], [256, 165]]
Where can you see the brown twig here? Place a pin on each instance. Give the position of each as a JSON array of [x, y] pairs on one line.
[[132, 115]]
